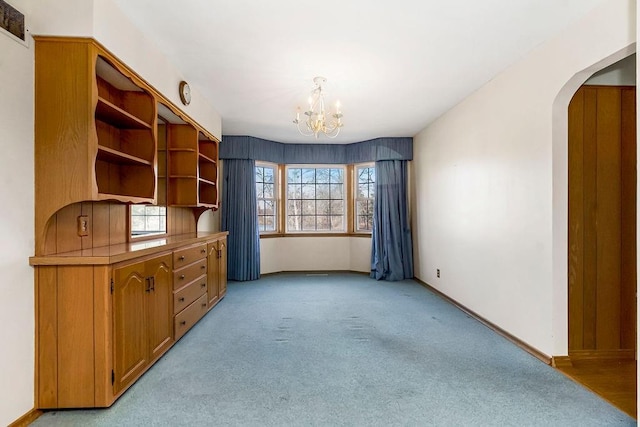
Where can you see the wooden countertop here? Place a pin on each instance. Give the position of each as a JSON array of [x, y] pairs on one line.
[[116, 253]]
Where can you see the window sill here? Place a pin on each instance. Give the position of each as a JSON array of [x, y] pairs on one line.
[[273, 235]]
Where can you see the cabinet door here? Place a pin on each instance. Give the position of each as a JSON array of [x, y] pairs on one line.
[[131, 347], [222, 249], [213, 273], [160, 305]]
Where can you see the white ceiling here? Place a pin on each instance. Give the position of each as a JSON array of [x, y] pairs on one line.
[[394, 66]]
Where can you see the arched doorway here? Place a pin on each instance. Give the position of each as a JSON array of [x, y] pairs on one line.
[[601, 255]]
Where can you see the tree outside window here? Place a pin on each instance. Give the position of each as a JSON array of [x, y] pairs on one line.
[[266, 197], [365, 195], [316, 199]]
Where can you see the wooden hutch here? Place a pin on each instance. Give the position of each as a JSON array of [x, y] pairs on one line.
[[108, 305]]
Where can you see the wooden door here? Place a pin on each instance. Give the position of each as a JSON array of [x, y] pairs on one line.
[[159, 305], [213, 273], [131, 347], [222, 250], [602, 221]]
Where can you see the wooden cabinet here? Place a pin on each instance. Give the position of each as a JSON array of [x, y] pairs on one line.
[[217, 274], [103, 316], [193, 167], [190, 285], [142, 307], [95, 129]]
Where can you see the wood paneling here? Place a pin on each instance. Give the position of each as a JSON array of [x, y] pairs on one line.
[[608, 189], [47, 337], [602, 222], [628, 220], [590, 218], [102, 333], [75, 345]]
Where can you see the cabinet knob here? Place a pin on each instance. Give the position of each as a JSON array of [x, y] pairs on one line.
[[203, 251], [203, 285], [202, 267], [184, 322], [181, 276], [181, 299], [181, 258], [204, 304]]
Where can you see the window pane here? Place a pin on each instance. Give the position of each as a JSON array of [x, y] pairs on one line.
[[322, 207], [322, 191], [153, 223], [137, 223], [137, 209], [294, 176], [322, 176], [268, 175], [266, 198], [308, 191], [308, 207], [337, 176], [294, 191], [309, 223], [308, 176], [322, 204], [152, 210], [323, 223], [294, 207], [363, 191], [336, 191], [337, 207], [294, 223], [268, 191], [269, 223], [269, 207], [337, 223]]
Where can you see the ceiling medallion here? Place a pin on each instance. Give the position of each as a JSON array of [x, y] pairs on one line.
[[318, 121]]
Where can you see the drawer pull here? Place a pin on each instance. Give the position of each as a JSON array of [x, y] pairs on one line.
[[204, 304], [181, 258], [181, 299], [184, 322], [203, 285], [202, 267], [203, 251], [181, 276]]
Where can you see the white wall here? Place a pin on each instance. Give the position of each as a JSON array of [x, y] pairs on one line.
[[315, 254], [489, 207], [16, 227]]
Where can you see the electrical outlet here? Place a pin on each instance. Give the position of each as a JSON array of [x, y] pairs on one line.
[[83, 225], [438, 273]]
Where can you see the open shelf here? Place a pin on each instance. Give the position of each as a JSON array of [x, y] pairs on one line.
[[113, 156], [116, 116]]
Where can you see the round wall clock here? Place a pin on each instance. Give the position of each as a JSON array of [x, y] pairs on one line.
[[185, 92]]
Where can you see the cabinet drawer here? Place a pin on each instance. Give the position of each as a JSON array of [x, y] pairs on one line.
[[188, 317], [189, 293], [189, 273], [188, 255]]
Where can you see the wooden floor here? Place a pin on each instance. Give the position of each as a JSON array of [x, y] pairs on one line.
[[614, 380]]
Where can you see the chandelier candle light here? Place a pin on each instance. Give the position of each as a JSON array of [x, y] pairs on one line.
[[317, 121]]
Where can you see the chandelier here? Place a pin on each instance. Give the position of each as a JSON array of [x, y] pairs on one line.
[[318, 120]]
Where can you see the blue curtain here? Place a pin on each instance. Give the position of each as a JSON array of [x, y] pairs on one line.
[[391, 249], [240, 219]]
